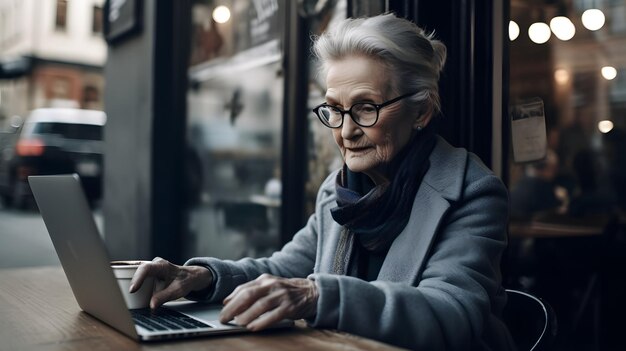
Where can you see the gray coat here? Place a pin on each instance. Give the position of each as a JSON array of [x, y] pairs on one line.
[[439, 287]]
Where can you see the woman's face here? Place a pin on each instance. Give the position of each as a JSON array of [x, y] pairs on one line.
[[368, 149]]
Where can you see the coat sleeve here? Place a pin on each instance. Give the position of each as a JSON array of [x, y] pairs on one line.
[[296, 259], [452, 303]]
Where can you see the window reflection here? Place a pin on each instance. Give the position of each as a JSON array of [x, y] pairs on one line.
[[323, 154], [568, 209], [581, 82], [234, 126]]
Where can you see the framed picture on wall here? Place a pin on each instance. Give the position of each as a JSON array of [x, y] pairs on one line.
[[122, 18]]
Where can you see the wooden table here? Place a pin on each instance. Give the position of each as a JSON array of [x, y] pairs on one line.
[[536, 229], [39, 312], [559, 226]]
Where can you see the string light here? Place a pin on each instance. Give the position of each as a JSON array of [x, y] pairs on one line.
[[513, 30], [609, 72], [221, 14], [605, 126], [539, 32], [562, 27], [593, 19], [561, 76]]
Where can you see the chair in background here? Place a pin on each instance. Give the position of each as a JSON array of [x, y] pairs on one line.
[[531, 321]]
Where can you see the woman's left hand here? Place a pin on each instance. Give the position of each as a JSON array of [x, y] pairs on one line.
[[268, 299]]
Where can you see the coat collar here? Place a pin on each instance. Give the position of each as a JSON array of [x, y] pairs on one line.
[[442, 184], [447, 168]]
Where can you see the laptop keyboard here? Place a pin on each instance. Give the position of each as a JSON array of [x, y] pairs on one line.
[[165, 319]]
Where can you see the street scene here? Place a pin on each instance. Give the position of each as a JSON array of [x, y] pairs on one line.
[[24, 240]]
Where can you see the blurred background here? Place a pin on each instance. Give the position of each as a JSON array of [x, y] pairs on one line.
[[189, 122]]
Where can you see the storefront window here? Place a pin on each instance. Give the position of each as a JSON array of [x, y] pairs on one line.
[[568, 162], [580, 83], [323, 154], [235, 104]]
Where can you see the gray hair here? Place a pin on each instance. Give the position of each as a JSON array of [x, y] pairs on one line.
[[414, 58]]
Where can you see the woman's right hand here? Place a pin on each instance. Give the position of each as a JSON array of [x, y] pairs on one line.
[[178, 281]]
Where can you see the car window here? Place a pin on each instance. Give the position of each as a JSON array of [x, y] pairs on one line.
[[70, 131]]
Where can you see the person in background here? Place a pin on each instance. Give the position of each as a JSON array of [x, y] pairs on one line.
[[537, 191], [591, 197], [406, 240]]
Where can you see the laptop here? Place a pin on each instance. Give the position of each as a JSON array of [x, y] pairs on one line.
[[86, 263]]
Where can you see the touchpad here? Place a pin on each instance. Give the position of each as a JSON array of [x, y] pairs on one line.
[[203, 311]]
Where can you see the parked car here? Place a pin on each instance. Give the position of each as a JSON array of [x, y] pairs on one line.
[[52, 141]]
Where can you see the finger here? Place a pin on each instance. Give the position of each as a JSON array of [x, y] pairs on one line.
[[145, 270], [264, 279], [234, 293], [171, 292], [156, 268], [259, 307], [239, 289], [241, 302], [268, 319]]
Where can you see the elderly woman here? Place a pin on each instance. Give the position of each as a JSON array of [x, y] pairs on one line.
[[406, 239]]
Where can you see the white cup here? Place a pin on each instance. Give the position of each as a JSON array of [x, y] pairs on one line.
[[124, 271]]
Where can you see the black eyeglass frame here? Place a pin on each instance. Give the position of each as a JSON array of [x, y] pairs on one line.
[[349, 111]]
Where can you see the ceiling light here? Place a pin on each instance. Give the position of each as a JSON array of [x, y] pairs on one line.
[[561, 76], [562, 28], [593, 19], [221, 14], [605, 126], [513, 30], [539, 32], [609, 72]]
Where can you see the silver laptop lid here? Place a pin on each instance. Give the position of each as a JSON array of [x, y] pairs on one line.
[[82, 253]]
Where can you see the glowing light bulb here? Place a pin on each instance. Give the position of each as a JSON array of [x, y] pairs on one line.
[[221, 14], [513, 30], [593, 19], [561, 76], [609, 72], [605, 126], [539, 32], [562, 28]]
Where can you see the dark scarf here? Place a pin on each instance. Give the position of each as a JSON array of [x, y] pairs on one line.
[[377, 217]]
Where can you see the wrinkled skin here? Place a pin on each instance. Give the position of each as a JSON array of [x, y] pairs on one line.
[[370, 149], [178, 281], [256, 305], [268, 299]]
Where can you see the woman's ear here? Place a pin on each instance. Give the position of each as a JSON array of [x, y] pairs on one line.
[[422, 121]]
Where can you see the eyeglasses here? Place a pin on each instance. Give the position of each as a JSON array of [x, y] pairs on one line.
[[364, 114]]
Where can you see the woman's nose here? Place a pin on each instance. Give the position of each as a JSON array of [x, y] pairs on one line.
[[349, 129]]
